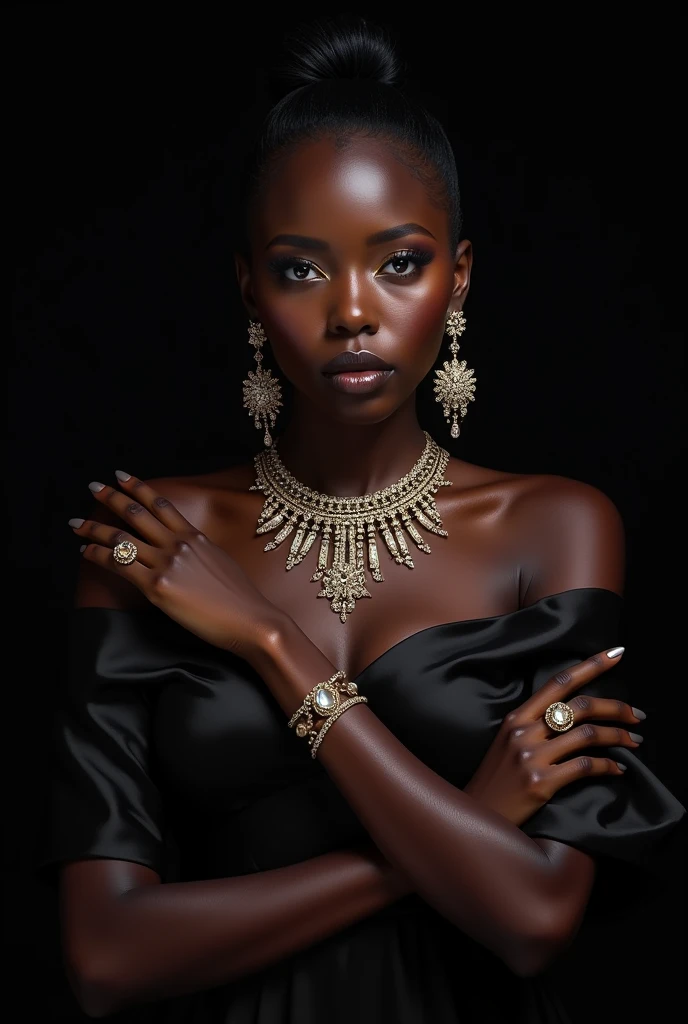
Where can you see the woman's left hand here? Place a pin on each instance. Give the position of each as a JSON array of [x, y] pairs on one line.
[[178, 569]]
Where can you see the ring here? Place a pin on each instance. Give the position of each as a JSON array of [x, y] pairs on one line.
[[559, 717], [125, 552]]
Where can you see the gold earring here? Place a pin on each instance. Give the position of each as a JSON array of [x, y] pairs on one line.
[[262, 391], [455, 384]]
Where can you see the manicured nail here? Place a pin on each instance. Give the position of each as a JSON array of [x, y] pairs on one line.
[[621, 766], [639, 714], [83, 548], [95, 486], [615, 652], [76, 523], [121, 475], [636, 737]]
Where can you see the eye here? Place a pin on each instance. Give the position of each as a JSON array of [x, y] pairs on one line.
[[300, 272], [405, 264], [288, 268]]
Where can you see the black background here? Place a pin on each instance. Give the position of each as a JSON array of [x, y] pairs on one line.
[[127, 132]]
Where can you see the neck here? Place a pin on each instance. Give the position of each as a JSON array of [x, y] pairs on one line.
[[350, 461]]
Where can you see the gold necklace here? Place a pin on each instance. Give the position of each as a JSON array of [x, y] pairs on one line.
[[353, 520]]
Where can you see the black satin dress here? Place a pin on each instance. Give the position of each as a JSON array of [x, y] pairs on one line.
[[173, 754]]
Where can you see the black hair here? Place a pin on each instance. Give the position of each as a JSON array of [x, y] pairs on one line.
[[342, 76]]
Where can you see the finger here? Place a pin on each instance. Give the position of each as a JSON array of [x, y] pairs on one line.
[[110, 536], [132, 512], [156, 503], [586, 708], [603, 710], [589, 735], [582, 768], [571, 679], [136, 573]]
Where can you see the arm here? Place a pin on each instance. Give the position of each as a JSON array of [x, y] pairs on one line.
[[521, 898], [127, 938]]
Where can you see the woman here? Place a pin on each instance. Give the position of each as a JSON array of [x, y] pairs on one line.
[[268, 812]]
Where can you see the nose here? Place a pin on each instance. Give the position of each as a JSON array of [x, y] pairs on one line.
[[352, 310]]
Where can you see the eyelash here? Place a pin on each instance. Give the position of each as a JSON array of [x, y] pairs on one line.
[[417, 256]]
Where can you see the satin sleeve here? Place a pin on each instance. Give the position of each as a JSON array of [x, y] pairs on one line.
[[103, 800], [627, 818]]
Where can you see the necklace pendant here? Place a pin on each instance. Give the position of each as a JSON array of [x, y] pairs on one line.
[[343, 584], [296, 544], [282, 535], [360, 534], [413, 532], [339, 541], [271, 524], [401, 544], [428, 523], [390, 542], [322, 554], [305, 548], [353, 550], [430, 509], [373, 558]]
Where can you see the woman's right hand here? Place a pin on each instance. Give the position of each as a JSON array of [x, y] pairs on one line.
[[527, 762]]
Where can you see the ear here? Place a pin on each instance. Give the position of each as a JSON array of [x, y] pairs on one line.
[[462, 275], [243, 272]]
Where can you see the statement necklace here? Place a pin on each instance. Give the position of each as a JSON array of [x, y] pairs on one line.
[[289, 506]]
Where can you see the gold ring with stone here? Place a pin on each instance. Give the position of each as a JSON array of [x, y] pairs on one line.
[[125, 552], [559, 717]]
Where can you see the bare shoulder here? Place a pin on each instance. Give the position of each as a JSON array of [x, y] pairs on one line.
[[574, 534], [212, 502], [209, 500], [564, 534], [538, 497], [572, 503]]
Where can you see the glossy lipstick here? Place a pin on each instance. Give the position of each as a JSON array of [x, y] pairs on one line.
[[357, 373]]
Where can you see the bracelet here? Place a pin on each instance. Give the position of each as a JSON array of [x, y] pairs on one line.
[[323, 700], [333, 718]]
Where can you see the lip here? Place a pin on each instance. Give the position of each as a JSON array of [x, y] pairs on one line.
[[348, 362], [358, 382]]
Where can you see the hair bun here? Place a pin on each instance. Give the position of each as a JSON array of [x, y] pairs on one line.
[[345, 49]]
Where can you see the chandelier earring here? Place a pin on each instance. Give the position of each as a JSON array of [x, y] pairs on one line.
[[262, 391], [455, 384]]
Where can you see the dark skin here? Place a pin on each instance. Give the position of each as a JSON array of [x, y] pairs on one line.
[[512, 540]]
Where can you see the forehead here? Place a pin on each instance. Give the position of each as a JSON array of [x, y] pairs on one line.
[[343, 192]]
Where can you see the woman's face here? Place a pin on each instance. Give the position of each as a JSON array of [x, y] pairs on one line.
[[350, 253]]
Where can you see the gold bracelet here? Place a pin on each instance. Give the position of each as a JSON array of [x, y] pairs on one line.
[[333, 718], [323, 700]]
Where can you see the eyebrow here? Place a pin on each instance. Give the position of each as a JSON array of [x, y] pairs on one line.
[[298, 241], [388, 235], [400, 231]]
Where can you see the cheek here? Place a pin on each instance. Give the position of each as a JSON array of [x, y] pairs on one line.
[[422, 328], [293, 325]]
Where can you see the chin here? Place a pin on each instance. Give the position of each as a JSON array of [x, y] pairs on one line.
[[359, 410], [363, 415]]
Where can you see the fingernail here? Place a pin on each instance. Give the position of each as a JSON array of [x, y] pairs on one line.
[[615, 652], [639, 714], [121, 475], [621, 766], [95, 486], [83, 548], [636, 737], [76, 523]]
